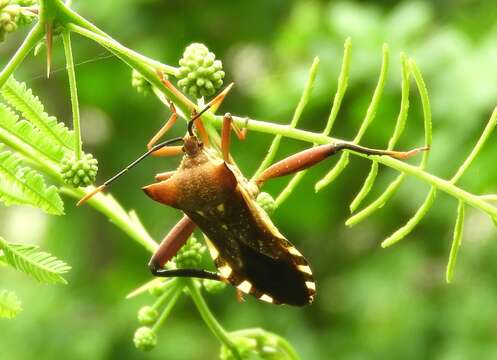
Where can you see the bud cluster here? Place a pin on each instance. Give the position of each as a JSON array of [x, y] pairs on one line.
[[200, 74], [79, 173], [13, 14]]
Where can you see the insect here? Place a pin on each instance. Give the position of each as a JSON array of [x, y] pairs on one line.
[[247, 249]]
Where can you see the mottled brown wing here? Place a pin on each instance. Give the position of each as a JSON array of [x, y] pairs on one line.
[[251, 254]]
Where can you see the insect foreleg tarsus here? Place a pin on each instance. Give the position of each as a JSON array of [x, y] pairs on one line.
[[191, 273]]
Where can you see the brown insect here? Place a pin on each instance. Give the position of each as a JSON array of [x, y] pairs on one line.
[[248, 250]]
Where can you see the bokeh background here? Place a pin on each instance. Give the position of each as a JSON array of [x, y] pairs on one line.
[[372, 303]]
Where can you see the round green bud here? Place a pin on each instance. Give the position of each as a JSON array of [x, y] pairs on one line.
[[213, 286], [190, 255], [157, 288], [79, 173], [200, 74], [139, 82], [147, 315], [145, 338], [258, 344], [266, 202]]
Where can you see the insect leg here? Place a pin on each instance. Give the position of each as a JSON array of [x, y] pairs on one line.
[[170, 245], [201, 130], [192, 273], [307, 158], [229, 125], [168, 125], [168, 151]]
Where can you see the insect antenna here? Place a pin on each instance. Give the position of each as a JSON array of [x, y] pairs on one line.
[[131, 165], [213, 105], [195, 116]]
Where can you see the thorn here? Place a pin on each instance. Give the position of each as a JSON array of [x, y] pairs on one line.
[[48, 39], [90, 195], [216, 102]]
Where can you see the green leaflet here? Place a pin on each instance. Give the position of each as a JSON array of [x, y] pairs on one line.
[[10, 305], [25, 186], [30, 135], [22, 99], [40, 265], [456, 243]]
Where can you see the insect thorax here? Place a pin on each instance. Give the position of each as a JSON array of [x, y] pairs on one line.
[[203, 181]]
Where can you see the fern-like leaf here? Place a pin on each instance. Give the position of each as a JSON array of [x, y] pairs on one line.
[[21, 98], [40, 265], [24, 186], [27, 133], [10, 305]]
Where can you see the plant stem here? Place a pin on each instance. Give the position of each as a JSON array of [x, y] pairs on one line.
[[210, 319], [108, 206], [169, 307], [35, 35], [308, 136], [66, 38]]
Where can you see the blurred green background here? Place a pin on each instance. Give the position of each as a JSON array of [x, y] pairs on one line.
[[371, 303]]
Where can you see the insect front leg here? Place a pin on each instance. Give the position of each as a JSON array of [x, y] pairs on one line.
[[168, 125], [170, 246], [307, 158]]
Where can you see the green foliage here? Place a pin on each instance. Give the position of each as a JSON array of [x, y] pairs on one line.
[[25, 132], [40, 265], [25, 186], [10, 305], [20, 97]]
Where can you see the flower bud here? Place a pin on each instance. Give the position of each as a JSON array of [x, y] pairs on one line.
[[145, 338], [79, 173], [200, 74], [147, 315], [266, 202], [190, 255]]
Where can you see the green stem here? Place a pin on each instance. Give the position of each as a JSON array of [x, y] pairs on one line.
[[169, 307], [479, 145], [108, 206], [308, 136], [66, 38], [172, 287], [210, 319], [35, 35]]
